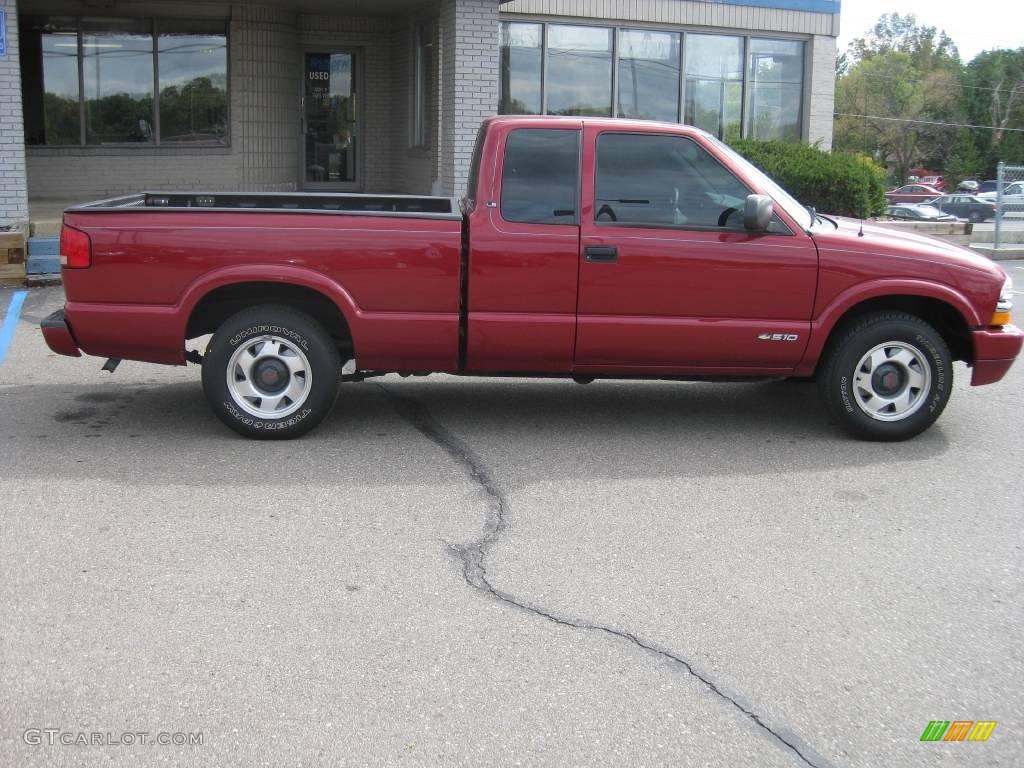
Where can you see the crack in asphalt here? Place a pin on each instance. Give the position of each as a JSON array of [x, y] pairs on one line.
[[473, 556]]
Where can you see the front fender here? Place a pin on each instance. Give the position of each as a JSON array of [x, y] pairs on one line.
[[826, 321]]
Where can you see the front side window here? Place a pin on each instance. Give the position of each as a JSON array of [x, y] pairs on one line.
[[664, 181], [540, 176], [134, 81]]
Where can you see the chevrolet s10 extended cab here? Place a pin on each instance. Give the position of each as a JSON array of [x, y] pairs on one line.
[[583, 248]]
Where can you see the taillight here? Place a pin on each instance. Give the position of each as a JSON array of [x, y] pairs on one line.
[[75, 248]]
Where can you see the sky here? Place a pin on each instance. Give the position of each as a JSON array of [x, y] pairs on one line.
[[974, 27]]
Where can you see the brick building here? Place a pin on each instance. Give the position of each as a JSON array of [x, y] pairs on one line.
[[101, 97]]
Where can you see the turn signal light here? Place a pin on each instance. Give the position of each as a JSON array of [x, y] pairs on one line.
[[75, 248], [1000, 318]]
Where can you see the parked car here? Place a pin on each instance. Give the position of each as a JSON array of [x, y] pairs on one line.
[[583, 248], [968, 185], [938, 182], [923, 212], [968, 207], [912, 193], [988, 186], [1013, 196]]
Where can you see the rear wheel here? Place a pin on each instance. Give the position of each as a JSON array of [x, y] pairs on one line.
[[271, 372], [888, 376], [977, 217]]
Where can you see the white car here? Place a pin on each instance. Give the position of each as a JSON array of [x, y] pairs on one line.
[[1013, 196]]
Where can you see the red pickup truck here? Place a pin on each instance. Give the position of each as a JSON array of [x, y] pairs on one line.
[[583, 248]]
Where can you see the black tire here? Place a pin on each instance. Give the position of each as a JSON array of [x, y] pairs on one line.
[[977, 217], [841, 376], [302, 348]]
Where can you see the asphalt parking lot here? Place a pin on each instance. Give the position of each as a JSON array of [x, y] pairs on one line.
[[499, 572]]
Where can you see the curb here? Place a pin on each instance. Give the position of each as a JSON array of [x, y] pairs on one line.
[[1002, 254]]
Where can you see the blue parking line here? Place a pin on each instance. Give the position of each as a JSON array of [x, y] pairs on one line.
[[10, 321]]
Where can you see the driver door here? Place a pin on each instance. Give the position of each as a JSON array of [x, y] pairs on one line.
[[670, 281]]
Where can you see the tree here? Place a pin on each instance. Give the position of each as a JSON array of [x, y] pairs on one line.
[[904, 78], [993, 95], [893, 33]]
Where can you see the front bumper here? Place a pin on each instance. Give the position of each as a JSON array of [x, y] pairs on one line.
[[995, 349], [58, 335]]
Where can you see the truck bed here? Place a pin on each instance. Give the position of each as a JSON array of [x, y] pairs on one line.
[[391, 263]]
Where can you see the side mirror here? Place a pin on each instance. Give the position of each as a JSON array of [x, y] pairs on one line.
[[757, 213]]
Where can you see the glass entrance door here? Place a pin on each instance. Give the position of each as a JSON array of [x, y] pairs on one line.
[[331, 122]]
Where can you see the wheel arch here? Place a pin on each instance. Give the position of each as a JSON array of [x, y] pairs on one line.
[[206, 306], [942, 308]]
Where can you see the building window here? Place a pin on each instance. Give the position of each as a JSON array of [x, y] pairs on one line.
[[714, 84], [732, 86], [93, 82], [649, 75], [520, 69], [193, 72], [422, 77], [117, 75], [775, 75], [579, 76]]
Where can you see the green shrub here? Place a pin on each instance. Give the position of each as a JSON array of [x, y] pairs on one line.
[[843, 185]]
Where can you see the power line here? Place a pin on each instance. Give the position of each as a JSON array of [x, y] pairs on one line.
[[930, 122], [918, 80]]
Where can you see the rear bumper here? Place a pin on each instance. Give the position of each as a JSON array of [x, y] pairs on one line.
[[58, 335], [995, 349]]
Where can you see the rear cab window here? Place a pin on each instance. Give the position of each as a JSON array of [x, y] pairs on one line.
[[540, 176]]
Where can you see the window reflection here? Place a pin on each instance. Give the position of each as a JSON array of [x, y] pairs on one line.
[[520, 69], [105, 69], [775, 89], [61, 118], [117, 65], [649, 75], [714, 84], [193, 85], [579, 78]]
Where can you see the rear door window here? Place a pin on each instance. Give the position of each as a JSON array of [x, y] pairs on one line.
[[540, 176]]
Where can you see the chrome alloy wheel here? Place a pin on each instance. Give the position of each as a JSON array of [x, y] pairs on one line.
[[892, 381], [269, 377]]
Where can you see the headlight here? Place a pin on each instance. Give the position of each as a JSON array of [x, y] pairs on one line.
[[1004, 305], [1006, 296]]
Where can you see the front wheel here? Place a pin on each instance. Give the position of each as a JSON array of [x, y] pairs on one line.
[[888, 376], [271, 372]]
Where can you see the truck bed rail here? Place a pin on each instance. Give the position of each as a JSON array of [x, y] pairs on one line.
[[282, 202]]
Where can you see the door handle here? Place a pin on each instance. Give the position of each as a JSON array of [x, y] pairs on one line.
[[601, 254]]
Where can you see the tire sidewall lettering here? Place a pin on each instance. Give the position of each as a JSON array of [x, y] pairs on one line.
[[844, 393], [261, 330], [263, 424]]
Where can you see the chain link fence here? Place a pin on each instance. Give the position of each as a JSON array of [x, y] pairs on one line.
[[1009, 200]]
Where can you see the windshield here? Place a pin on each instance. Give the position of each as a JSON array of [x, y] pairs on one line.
[[778, 194]]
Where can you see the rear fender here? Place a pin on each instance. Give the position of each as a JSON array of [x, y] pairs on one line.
[[263, 273]]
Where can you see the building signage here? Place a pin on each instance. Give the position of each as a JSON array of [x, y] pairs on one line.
[[3, 32]]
